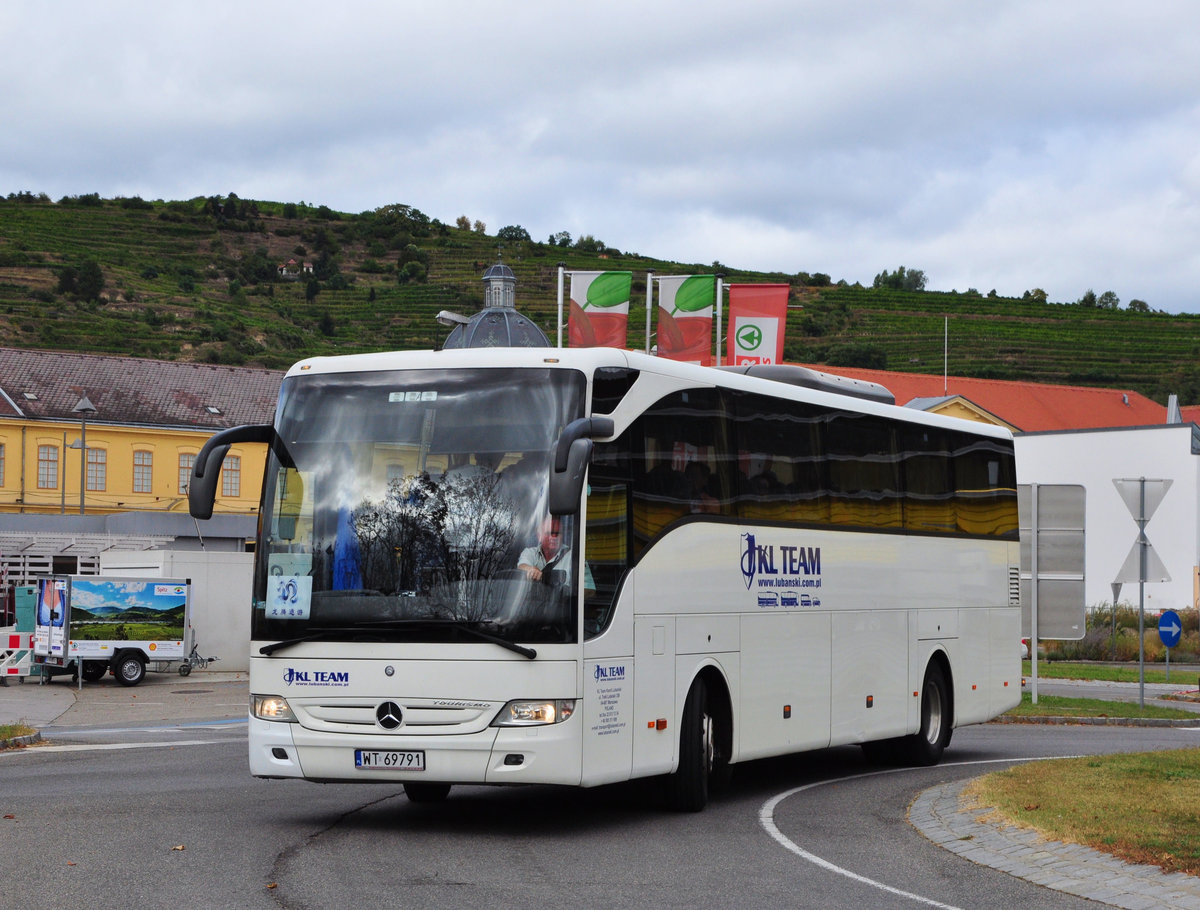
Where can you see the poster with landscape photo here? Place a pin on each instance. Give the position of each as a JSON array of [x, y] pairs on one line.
[[127, 609]]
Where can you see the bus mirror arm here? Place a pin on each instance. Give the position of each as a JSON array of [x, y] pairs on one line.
[[571, 458], [584, 427], [202, 487]]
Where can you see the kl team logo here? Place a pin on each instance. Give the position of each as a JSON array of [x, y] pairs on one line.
[[749, 559], [780, 566], [294, 677]]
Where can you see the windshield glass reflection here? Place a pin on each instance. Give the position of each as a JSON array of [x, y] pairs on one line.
[[404, 503]]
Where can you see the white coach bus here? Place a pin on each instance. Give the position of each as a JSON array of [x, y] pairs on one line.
[[509, 566]]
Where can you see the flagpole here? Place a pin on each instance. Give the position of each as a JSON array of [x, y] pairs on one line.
[[946, 355], [560, 301], [720, 295], [649, 303]]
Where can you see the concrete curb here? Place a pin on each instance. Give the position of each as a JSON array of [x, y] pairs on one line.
[[1100, 721], [17, 742], [941, 816]]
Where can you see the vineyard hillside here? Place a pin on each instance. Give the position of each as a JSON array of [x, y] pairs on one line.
[[226, 280]]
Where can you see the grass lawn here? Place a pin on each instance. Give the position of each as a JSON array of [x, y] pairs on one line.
[[1059, 706], [1155, 673], [1139, 807], [8, 731]]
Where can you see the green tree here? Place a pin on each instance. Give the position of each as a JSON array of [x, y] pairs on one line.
[[589, 244], [513, 233], [1088, 299], [1108, 301], [900, 280], [412, 271], [68, 280], [1138, 306], [311, 290], [91, 280], [463, 222]]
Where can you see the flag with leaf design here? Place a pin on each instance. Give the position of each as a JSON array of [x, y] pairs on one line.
[[685, 316], [599, 309]]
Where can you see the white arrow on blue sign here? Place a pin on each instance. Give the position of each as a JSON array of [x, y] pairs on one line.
[[1169, 628]]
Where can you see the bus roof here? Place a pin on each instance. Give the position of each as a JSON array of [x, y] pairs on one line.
[[785, 380]]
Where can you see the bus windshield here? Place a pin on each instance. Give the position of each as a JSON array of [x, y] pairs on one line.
[[399, 506]]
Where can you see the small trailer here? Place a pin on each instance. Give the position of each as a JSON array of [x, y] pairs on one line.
[[92, 624]]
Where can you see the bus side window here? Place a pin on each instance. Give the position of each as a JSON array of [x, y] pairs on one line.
[[682, 462], [781, 471], [606, 535]]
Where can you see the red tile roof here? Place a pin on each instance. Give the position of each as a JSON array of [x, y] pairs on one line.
[[1028, 406]]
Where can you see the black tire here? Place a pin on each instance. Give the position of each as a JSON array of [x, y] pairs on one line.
[[94, 670], [925, 747], [185, 669], [701, 766], [426, 793], [129, 669]]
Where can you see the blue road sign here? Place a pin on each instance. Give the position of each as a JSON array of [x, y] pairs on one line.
[[1169, 628]]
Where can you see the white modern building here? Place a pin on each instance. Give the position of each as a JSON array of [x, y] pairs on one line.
[[1094, 458]]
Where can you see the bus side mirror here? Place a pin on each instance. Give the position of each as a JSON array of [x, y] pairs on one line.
[[567, 485], [571, 458], [202, 487]]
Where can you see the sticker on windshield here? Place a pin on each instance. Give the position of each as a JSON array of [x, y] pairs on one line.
[[289, 596], [419, 395]]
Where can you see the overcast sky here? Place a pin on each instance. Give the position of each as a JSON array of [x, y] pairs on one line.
[[1005, 145]]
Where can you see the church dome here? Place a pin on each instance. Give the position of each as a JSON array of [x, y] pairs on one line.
[[497, 327], [498, 324]]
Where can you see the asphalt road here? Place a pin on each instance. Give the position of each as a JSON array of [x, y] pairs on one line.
[[156, 814]]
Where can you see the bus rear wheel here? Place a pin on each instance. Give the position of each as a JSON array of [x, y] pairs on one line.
[[925, 747], [701, 764]]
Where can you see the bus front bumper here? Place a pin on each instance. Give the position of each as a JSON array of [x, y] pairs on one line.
[[546, 754]]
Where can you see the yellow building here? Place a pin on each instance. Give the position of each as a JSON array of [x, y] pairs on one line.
[[88, 438], [143, 420]]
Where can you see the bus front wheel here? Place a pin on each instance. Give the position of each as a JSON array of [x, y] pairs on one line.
[[925, 747], [700, 762]]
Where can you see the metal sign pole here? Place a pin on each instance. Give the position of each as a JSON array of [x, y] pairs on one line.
[[1142, 497], [1143, 541], [1033, 589]]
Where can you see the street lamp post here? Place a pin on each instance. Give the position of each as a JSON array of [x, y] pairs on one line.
[[83, 409]]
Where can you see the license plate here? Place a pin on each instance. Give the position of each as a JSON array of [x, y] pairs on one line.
[[389, 760]]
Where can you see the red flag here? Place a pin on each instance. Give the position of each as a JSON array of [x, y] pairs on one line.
[[685, 306], [757, 317], [599, 309]]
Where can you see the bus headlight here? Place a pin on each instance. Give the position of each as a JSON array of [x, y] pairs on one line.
[[272, 707], [530, 713]]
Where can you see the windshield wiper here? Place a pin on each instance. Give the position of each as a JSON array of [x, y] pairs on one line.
[[384, 624], [330, 632], [471, 628]]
